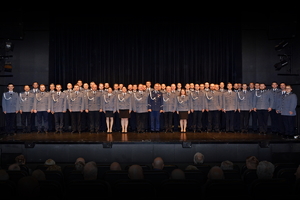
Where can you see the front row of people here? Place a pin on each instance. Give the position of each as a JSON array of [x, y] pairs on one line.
[[96, 102]]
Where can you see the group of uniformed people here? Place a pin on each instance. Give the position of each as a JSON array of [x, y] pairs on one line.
[[139, 107]]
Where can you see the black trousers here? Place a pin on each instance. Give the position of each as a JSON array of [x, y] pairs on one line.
[[132, 121], [254, 120], [141, 121], [94, 117], [289, 124], [26, 117], [230, 120], [51, 122], [213, 120], [168, 116], [85, 123], [117, 122], [281, 128], [10, 123], [67, 120], [197, 120], [102, 121], [76, 121], [262, 116], [59, 121], [274, 121], [176, 121], [244, 119]]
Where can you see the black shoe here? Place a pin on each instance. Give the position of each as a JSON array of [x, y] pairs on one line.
[[56, 132], [60, 132], [73, 132], [39, 132]]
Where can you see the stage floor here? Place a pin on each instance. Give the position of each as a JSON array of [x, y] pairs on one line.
[[132, 137]]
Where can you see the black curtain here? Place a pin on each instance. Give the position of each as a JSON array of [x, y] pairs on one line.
[[137, 51]]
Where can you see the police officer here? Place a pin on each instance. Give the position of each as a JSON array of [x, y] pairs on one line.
[[140, 107], [92, 107], [26, 108], [169, 107], [245, 98], [10, 107], [124, 107], [109, 107], [229, 107], [76, 108], [58, 108], [42, 106], [214, 105], [155, 107]]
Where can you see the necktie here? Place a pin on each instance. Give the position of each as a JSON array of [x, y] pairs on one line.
[[76, 92], [58, 93]]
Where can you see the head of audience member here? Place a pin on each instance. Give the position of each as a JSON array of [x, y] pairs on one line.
[[115, 166], [39, 175], [90, 171], [251, 162], [226, 165], [265, 170], [198, 158], [158, 163], [28, 188], [79, 166], [52, 165], [297, 173], [20, 160], [177, 174], [191, 167], [80, 159], [215, 173], [4, 176], [14, 167], [135, 172]]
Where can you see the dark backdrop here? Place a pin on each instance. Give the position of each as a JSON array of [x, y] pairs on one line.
[[136, 50]]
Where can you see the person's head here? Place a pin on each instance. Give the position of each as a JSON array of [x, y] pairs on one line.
[[141, 87], [49, 162], [217, 87], [215, 173], [168, 89], [187, 86], [229, 86], [101, 86], [156, 86], [206, 85], [177, 174], [197, 87], [90, 171], [297, 173], [274, 85], [179, 85], [129, 87], [226, 165], [39, 174], [80, 159], [52, 86], [236, 86], [182, 92], [116, 86], [14, 167], [158, 163], [173, 86], [28, 187], [244, 86], [94, 87], [4, 176], [86, 86], [92, 83], [69, 86], [212, 86], [121, 85], [288, 88], [79, 166], [109, 90], [115, 166], [163, 86], [134, 87], [265, 170], [251, 85], [124, 89], [282, 86], [135, 172], [222, 85], [20, 160], [10, 87], [76, 87], [192, 85], [106, 85], [201, 86], [148, 84], [256, 86], [79, 82], [35, 85], [58, 87], [42, 88], [262, 86], [251, 162], [198, 158], [191, 167], [26, 88]]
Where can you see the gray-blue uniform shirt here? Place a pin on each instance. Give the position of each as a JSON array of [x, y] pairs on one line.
[[76, 101], [10, 102], [140, 102], [183, 103], [198, 100], [58, 102], [245, 100], [26, 101], [230, 101], [42, 101], [214, 100], [263, 99], [108, 102], [169, 102], [92, 100], [124, 101], [287, 104]]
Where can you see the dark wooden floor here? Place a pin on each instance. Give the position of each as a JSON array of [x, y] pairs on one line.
[[161, 137]]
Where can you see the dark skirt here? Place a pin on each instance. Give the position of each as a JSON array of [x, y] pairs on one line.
[[124, 113], [183, 115], [109, 114]]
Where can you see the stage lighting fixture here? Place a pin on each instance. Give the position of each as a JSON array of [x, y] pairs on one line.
[[281, 45], [7, 66], [283, 62], [9, 46]]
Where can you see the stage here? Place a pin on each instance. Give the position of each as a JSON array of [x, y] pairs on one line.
[[144, 147]]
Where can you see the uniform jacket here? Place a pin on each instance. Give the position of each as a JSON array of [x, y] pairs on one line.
[[10, 102], [26, 101]]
